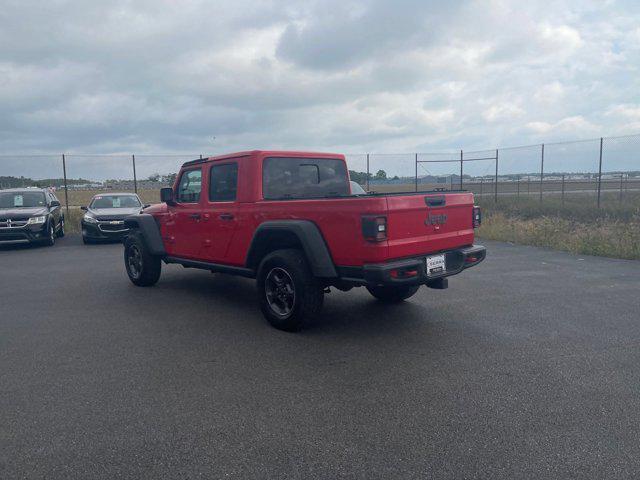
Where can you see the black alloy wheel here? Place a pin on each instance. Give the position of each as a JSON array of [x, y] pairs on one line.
[[280, 292]]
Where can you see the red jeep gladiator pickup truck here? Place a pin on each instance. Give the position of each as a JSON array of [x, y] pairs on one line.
[[290, 220]]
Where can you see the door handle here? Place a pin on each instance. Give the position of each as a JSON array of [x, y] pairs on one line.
[[226, 216], [195, 216]]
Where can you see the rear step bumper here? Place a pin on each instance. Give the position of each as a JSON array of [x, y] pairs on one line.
[[412, 271]]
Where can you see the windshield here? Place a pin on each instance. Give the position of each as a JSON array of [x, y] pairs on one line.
[[115, 201], [22, 199]]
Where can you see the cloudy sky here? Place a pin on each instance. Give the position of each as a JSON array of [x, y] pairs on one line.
[[337, 75]]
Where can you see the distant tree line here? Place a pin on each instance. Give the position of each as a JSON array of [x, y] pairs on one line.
[[361, 177], [19, 182]]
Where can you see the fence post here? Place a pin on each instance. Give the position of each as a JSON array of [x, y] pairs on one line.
[[518, 186], [626, 184], [66, 190], [600, 173], [367, 172], [563, 189], [416, 172], [495, 193], [135, 180], [200, 156], [461, 161], [621, 177], [528, 185], [481, 182], [541, 171]]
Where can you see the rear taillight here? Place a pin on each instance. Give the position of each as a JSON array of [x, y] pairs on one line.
[[374, 229], [477, 217]]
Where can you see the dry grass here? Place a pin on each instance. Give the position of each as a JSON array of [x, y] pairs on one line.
[[72, 220], [578, 226], [79, 198]]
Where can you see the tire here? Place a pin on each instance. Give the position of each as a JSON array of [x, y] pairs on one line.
[[50, 241], [142, 268], [389, 294], [86, 241], [61, 228], [289, 293]]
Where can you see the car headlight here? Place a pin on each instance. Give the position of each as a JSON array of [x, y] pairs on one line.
[[89, 219], [37, 220]]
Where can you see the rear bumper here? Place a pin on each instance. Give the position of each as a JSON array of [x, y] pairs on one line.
[[412, 271]]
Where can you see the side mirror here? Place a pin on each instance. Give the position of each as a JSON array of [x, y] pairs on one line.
[[55, 203], [84, 208], [166, 195]]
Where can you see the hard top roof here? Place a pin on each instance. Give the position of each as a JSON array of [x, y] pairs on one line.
[[264, 153]]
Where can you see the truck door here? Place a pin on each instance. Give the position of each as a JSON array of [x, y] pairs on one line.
[[183, 226], [219, 211]]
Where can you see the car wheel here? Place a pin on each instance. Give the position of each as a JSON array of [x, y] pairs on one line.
[[50, 241], [393, 294], [61, 228], [86, 240], [289, 293], [142, 267]]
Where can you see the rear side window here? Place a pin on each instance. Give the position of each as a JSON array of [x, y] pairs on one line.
[[190, 187], [303, 178], [223, 182]]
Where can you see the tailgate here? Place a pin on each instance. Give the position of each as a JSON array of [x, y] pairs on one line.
[[421, 224]]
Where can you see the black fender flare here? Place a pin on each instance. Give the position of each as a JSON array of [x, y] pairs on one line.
[[148, 227], [309, 236]]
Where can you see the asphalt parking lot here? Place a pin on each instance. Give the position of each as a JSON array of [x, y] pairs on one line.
[[527, 367]]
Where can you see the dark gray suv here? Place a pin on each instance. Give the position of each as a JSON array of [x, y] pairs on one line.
[[30, 215]]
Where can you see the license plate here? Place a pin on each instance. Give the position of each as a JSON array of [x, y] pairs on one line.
[[435, 265]]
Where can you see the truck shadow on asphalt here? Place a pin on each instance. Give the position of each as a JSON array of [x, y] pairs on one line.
[[353, 312]]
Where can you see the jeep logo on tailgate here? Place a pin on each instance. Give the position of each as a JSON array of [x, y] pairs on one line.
[[436, 219]]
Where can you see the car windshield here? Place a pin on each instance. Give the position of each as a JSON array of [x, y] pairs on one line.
[[22, 199], [115, 201]]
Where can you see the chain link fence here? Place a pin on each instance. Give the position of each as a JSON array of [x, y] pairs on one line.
[[596, 170]]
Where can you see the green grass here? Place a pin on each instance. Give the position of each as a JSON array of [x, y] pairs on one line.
[[576, 225]]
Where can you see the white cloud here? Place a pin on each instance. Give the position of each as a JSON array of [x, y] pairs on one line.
[[570, 127]]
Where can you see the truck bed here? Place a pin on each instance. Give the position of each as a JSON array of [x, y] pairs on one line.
[[413, 227]]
